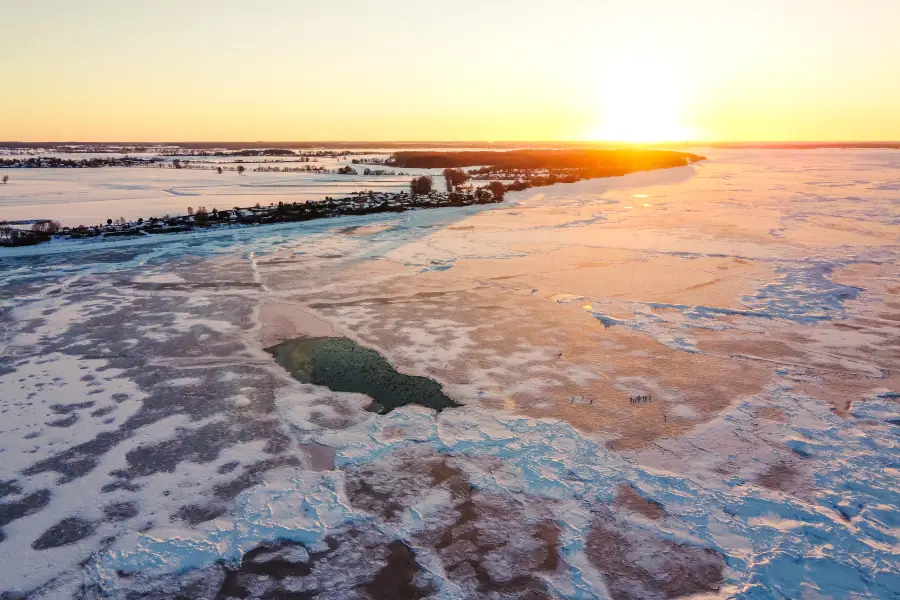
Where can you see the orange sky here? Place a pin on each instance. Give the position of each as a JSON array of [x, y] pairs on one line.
[[467, 70]]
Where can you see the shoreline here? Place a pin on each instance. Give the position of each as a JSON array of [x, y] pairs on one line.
[[297, 212], [508, 172], [59, 244]]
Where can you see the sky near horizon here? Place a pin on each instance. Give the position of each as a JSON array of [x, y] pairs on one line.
[[294, 70]]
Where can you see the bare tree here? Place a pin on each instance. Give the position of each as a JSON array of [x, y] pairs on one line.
[[46, 227], [9, 235], [5, 179], [219, 170], [455, 178], [421, 186], [241, 169]]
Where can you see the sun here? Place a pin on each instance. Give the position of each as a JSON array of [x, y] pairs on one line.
[[641, 100]]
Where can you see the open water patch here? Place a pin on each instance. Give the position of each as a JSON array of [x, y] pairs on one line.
[[342, 365]]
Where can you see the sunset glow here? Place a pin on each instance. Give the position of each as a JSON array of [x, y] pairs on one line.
[[642, 100], [402, 70]]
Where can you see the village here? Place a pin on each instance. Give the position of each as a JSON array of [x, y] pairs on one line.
[[503, 172], [421, 195]]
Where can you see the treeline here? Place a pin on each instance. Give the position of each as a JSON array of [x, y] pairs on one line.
[[228, 153], [455, 179], [41, 231], [257, 152], [103, 149], [52, 162], [361, 203], [160, 163], [603, 162], [348, 170], [303, 169]]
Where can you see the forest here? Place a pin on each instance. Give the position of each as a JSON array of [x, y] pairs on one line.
[[594, 163]]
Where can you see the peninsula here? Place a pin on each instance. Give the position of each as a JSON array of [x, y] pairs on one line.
[[501, 172]]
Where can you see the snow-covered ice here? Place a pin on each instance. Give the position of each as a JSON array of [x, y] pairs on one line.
[[149, 447]]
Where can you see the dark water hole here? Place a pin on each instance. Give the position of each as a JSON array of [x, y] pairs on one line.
[[342, 365]]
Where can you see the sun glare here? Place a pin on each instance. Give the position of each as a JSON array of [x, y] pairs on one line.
[[642, 100]]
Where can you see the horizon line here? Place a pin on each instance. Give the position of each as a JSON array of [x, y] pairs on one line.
[[24, 143]]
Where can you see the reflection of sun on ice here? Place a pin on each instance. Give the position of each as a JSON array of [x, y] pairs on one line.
[[642, 100]]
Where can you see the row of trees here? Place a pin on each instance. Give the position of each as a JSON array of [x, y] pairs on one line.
[[358, 204], [304, 156], [39, 232], [240, 170], [54, 162], [628, 160], [454, 178], [179, 165]]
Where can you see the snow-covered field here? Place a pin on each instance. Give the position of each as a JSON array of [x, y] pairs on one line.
[[150, 447], [91, 196]]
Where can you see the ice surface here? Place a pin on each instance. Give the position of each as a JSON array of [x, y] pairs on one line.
[[150, 447]]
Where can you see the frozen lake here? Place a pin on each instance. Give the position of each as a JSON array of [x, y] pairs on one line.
[[151, 447]]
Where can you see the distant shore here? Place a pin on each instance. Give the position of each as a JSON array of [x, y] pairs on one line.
[[137, 146], [503, 172]]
